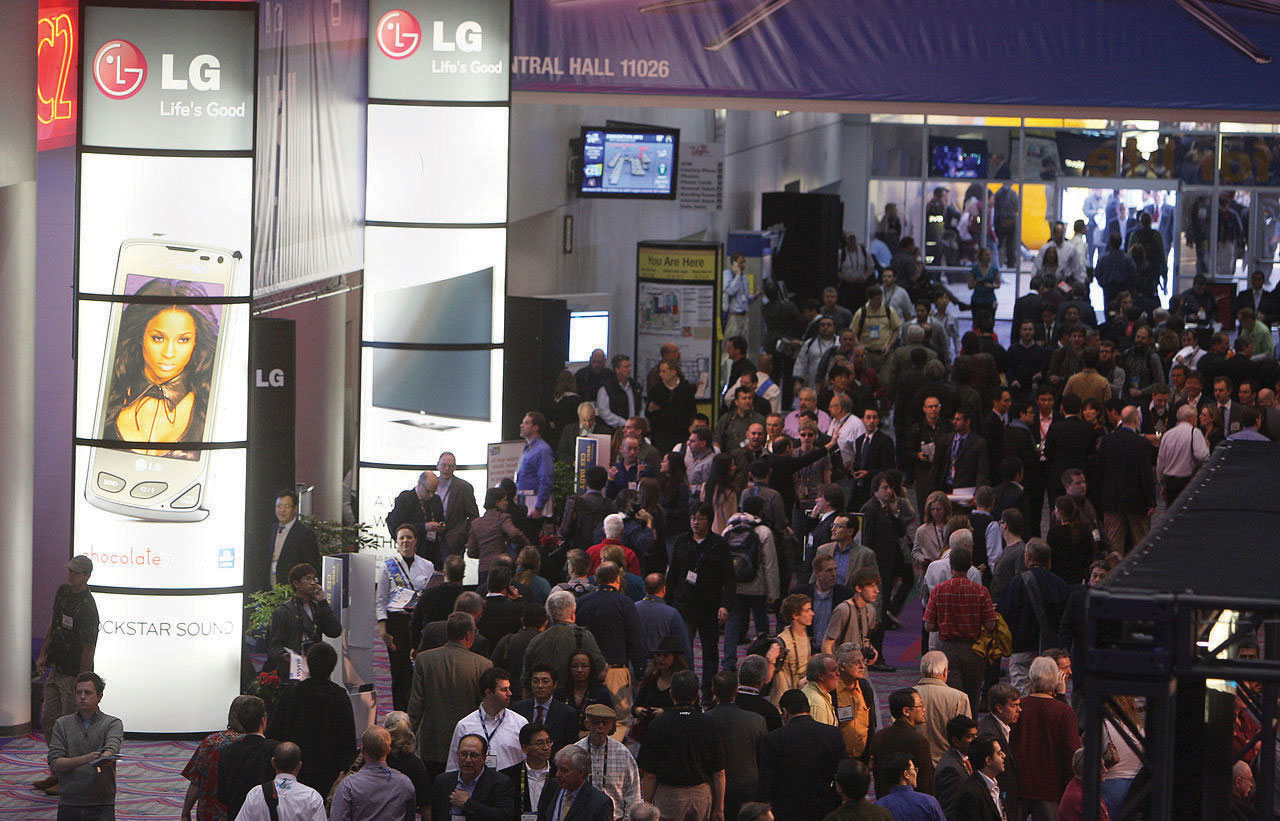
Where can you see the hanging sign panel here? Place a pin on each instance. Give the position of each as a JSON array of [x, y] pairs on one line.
[[677, 294]]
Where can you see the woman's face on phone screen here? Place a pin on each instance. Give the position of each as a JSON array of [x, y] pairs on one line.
[[167, 344]]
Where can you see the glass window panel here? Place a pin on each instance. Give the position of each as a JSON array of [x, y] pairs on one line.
[[1195, 253], [1050, 122], [1250, 160], [960, 152], [1048, 154], [1148, 154], [1266, 217], [963, 217], [897, 118], [1232, 248], [1039, 209], [907, 199], [1250, 128], [896, 150], [1193, 159], [946, 119]]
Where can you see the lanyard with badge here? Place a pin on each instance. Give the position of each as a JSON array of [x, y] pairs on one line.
[[405, 596], [490, 760], [604, 764], [526, 798]]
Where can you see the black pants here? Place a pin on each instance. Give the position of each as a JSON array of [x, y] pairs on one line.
[[1173, 487], [398, 625]]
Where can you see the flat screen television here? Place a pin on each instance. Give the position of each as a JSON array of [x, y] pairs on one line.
[[629, 162], [953, 158]]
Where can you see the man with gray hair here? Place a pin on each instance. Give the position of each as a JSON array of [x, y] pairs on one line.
[[855, 701], [1183, 449], [576, 798], [823, 675], [293, 800], [1043, 742], [422, 507], [1032, 604], [645, 811], [941, 702], [562, 638], [939, 570], [754, 673]]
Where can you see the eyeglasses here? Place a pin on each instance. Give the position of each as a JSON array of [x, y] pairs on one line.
[[468, 754], [542, 742]]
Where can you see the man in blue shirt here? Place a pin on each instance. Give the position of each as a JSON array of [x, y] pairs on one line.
[[533, 473], [903, 801], [736, 297], [660, 623], [1249, 419]]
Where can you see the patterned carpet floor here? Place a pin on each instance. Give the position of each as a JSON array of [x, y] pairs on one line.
[[150, 783]]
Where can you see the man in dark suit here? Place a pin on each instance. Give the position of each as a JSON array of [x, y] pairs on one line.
[[476, 790], [1128, 489], [798, 763], [559, 718], [535, 774], [741, 731], [1070, 444], [293, 542], [907, 710], [1257, 298], [436, 603], [420, 506], [873, 452], [953, 767], [508, 653], [1006, 707], [1027, 307], [975, 801], [753, 673], [458, 497], [246, 762], [830, 502], [586, 511], [571, 789], [961, 456], [502, 614], [994, 424]]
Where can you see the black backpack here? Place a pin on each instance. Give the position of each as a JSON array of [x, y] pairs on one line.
[[744, 547]]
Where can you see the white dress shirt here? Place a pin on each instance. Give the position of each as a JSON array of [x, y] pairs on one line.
[[846, 432], [298, 802], [282, 533], [502, 732]]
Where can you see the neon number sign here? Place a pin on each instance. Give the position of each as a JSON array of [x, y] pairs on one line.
[[56, 80]]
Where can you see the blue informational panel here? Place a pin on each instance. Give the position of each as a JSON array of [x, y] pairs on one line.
[[435, 240], [164, 232], [1094, 53]]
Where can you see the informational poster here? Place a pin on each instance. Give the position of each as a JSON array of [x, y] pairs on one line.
[[677, 299], [702, 176], [165, 165], [504, 458], [589, 451]]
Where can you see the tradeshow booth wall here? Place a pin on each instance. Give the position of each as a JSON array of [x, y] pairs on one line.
[[163, 290]]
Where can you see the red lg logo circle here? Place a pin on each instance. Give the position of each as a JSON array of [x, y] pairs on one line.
[[398, 34], [119, 69]]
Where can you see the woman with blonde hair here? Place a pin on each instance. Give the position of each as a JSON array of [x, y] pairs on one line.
[[930, 537]]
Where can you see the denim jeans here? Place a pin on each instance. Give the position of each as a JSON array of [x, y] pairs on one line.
[[744, 608]]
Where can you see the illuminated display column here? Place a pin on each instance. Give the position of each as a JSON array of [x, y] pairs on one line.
[[435, 242], [164, 234]]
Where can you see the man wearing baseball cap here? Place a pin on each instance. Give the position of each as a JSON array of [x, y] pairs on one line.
[[613, 769], [67, 651]]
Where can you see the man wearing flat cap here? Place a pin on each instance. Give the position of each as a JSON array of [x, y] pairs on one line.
[[67, 651], [613, 769]]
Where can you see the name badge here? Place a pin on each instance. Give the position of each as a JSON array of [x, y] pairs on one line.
[[491, 760], [1097, 537], [528, 816], [844, 714], [691, 577], [67, 622], [874, 332]]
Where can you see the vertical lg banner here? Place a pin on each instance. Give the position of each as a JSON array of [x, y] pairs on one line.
[[163, 277]]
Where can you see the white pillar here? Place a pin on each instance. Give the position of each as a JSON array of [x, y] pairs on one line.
[[17, 366]]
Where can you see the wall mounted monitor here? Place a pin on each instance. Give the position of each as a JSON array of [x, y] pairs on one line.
[[453, 311], [629, 162], [435, 382], [953, 158]]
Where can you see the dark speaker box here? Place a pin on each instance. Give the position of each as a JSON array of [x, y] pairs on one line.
[[810, 253], [537, 344]]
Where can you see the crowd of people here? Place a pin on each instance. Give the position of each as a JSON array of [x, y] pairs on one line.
[[870, 454]]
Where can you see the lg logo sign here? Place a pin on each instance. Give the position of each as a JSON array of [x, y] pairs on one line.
[[120, 71], [399, 35], [273, 379]]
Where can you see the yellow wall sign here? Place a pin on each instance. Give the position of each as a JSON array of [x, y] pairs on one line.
[[688, 264]]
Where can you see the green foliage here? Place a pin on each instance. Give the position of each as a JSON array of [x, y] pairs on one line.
[[561, 484], [262, 604], [335, 537]]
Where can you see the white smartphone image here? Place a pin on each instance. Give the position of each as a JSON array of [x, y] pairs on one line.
[[159, 380]]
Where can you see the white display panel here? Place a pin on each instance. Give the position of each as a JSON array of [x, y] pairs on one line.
[[132, 551], [437, 164], [405, 261], [379, 488], [171, 663], [95, 355], [190, 201], [399, 436]]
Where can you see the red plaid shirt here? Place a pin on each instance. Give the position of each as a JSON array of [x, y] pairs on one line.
[[959, 607]]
